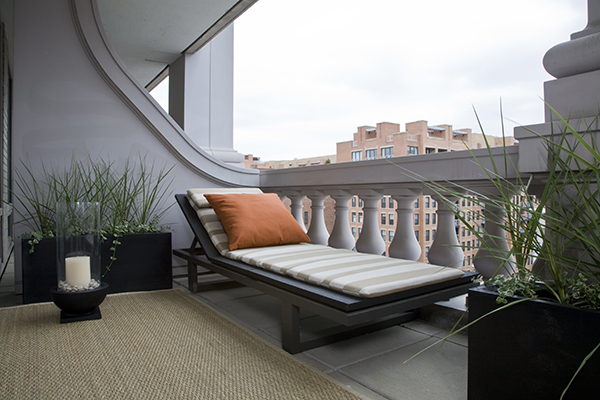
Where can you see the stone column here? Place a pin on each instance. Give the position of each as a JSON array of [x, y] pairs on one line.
[[370, 240], [405, 245], [317, 232], [341, 235], [445, 249], [296, 206], [493, 258], [201, 96]]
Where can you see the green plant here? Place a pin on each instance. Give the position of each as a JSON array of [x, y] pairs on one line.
[[552, 217], [132, 198]]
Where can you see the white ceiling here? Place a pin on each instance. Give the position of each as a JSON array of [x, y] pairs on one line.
[[148, 35]]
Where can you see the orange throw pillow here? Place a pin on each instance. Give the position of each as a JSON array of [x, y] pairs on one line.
[[256, 220]]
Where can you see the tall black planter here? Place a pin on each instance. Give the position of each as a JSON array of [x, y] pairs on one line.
[[143, 263], [531, 350]]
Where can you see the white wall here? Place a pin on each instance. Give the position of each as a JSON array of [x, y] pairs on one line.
[[72, 97]]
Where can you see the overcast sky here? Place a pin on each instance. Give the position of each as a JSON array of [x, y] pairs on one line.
[[308, 73]]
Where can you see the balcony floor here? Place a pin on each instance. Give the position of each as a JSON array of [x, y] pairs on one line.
[[371, 364]]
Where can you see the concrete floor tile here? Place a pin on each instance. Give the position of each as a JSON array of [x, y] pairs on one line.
[[438, 373], [357, 387], [363, 347]]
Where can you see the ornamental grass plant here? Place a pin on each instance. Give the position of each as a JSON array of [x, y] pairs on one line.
[[552, 218], [132, 198]]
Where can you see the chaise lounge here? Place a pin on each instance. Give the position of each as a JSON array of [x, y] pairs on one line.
[[361, 292]]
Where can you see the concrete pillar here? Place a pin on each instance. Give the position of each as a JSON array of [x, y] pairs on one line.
[[405, 244], [201, 96], [317, 232], [493, 257], [370, 240], [341, 235], [296, 206], [445, 250]]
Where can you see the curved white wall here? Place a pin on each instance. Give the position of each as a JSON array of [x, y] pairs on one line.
[[72, 96]]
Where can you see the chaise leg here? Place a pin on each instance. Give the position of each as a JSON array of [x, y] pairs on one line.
[[290, 331], [192, 277]]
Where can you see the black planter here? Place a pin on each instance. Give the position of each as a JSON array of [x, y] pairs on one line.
[[531, 350], [143, 263]]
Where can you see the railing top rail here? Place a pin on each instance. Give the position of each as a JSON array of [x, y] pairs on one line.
[[462, 167]]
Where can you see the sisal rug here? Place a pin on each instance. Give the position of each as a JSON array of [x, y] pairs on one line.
[[148, 345]]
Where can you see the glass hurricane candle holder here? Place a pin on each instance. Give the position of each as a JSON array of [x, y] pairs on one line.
[[79, 289], [78, 246]]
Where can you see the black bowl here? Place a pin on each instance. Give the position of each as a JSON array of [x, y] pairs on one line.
[[79, 303]]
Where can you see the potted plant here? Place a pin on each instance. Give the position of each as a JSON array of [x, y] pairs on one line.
[[136, 249], [533, 328]]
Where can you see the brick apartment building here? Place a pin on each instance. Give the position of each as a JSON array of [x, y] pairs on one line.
[[386, 140]]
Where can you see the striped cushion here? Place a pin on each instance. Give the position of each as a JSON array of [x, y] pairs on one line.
[[358, 274], [199, 201]]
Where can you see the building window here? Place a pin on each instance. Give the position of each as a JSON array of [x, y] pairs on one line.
[[434, 218], [427, 235], [417, 235], [360, 215], [416, 219], [371, 154], [412, 150], [354, 201], [433, 234], [426, 251], [387, 152], [382, 219], [360, 203], [354, 217], [427, 201], [305, 218], [463, 232], [391, 202], [417, 203], [391, 219], [391, 235], [354, 231], [383, 203], [357, 155], [427, 219], [383, 234]]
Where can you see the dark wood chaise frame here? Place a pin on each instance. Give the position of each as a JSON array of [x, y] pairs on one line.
[[357, 315]]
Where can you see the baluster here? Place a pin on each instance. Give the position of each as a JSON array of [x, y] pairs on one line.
[[317, 232], [296, 198], [370, 240], [489, 260], [405, 244], [445, 249], [341, 235]]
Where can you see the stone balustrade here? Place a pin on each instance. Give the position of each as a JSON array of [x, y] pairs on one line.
[[400, 178]]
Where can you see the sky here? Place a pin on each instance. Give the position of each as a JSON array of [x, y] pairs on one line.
[[308, 73]]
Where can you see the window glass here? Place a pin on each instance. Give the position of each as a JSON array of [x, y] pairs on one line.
[[387, 152]]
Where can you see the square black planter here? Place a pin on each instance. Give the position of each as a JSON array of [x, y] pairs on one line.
[[143, 262], [531, 350]]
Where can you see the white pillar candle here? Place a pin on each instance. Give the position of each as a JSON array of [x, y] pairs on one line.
[[77, 270]]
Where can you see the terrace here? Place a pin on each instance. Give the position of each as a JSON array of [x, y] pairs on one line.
[[88, 93]]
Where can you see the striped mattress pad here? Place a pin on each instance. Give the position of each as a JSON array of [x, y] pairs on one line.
[[347, 271]]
